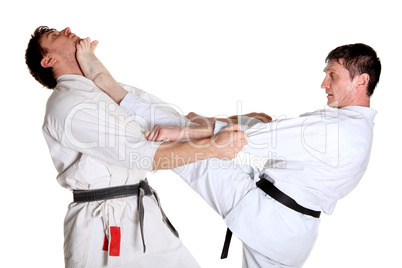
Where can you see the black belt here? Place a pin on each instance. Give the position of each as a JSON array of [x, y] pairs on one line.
[[141, 189], [270, 189], [110, 192]]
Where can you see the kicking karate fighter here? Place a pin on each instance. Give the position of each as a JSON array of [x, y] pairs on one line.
[[311, 162], [103, 156]]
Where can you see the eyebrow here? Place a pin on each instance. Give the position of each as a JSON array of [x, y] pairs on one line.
[[49, 33], [329, 69]]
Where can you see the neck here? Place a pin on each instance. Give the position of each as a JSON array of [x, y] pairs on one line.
[[361, 101], [62, 69]]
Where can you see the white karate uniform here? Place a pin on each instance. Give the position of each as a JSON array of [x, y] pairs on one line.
[[94, 145], [316, 159]]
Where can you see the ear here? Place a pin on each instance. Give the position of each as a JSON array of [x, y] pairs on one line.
[[363, 80], [47, 62]]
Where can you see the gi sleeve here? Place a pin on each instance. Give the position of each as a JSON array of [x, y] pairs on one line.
[[103, 130], [219, 125], [149, 111], [244, 123], [301, 138]]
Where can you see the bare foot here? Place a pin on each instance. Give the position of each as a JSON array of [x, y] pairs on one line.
[[90, 65], [94, 70]]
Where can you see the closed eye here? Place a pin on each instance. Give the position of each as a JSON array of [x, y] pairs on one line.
[[53, 35]]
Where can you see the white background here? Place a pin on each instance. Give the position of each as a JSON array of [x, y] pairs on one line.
[[204, 56]]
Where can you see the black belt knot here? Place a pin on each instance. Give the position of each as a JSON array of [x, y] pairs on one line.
[[140, 189]]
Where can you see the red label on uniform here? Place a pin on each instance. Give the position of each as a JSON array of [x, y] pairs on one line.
[[114, 241]]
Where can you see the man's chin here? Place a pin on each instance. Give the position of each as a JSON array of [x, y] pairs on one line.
[[78, 40], [333, 104]]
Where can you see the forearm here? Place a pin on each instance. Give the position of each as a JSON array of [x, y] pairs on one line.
[[234, 119], [225, 145], [197, 132], [171, 155], [230, 120], [177, 134]]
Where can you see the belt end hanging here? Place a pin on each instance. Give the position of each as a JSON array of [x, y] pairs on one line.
[[226, 245]]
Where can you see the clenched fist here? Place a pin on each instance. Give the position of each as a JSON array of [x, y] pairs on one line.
[[229, 142]]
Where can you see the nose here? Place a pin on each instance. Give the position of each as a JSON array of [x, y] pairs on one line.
[[66, 31], [325, 83]]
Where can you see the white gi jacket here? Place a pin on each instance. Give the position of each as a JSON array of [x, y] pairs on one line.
[[316, 159], [93, 145]]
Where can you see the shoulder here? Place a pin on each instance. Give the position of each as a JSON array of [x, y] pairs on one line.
[[357, 121], [352, 116], [146, 96], [350, 127], [71, 93], [355, 132]]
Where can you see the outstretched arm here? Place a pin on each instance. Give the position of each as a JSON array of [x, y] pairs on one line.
[[225, 145], [203, 120], [178, 133], [169, 154]]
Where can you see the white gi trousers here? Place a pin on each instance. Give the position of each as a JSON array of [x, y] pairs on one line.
[[94, 224], [273, 235]]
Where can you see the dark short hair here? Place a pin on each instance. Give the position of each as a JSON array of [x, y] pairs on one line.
[[358, 59], [33, 56]]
